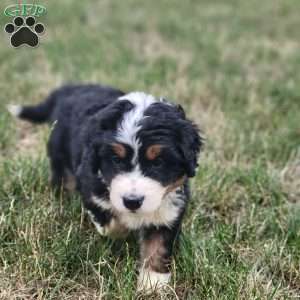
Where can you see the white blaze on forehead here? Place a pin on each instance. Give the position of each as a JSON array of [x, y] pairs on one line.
[[130, 125]]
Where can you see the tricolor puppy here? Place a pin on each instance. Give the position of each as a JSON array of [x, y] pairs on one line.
[[131, 155]]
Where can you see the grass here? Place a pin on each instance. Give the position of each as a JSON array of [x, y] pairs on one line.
[[234, 66]]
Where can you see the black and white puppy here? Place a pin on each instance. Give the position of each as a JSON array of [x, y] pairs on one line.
[[131, 155]]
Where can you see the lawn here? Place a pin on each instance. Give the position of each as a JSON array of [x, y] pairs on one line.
[[234, 66]]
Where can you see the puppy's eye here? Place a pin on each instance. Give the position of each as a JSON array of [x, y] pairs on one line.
[[158, 162], [116, 160]]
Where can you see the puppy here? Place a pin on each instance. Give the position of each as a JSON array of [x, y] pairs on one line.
[[131, 156]]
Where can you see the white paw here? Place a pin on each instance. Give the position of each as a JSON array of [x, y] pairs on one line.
[[101, 229], [15, 110], [150, 281], [113, 228], [108, 229]]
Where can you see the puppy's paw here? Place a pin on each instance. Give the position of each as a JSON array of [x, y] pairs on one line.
[[150, 281], [101, 229], [113, 229]]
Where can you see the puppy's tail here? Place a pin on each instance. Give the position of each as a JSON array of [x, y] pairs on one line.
[[40, 113]]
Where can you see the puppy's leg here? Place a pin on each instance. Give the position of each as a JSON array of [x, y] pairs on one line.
[[57, 172], [99, 217], [61, 175], [156, 253], [69, 181], [105, 223]]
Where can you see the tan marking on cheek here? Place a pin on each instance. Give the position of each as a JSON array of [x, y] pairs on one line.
[[175, 185], [153, 151], [119, 150], [153, 254]]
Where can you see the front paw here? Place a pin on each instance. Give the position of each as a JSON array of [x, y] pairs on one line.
[[150, 281], [112, 229]]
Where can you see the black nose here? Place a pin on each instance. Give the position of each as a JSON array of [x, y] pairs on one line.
[[133, 202]]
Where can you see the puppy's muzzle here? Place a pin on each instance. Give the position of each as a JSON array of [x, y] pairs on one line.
[[133, 202]]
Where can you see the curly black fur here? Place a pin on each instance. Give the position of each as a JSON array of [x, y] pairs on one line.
[[85, 121]]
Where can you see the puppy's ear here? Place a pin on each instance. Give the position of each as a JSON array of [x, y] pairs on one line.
[[178, 107], [181, 111], [110, 116], [104, 121], [85, 172], [190, 145], [96, 134]]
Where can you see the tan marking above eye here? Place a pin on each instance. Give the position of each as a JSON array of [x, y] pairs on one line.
[[153, 151], [119, 150]]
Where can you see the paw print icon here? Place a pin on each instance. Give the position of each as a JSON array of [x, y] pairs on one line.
[[24, 31]]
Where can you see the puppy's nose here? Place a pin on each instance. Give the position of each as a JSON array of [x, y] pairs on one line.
[[133, 202]]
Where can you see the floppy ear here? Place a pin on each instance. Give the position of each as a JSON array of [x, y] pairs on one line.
[[85, 173], [106, 120], [181, 110], [97, 133], [109, 117], [191, 143]]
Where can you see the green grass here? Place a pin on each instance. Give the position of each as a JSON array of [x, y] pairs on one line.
[[234, 66]]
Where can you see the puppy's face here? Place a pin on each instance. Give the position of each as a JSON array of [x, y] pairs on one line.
[[149, 152], [139, 182]]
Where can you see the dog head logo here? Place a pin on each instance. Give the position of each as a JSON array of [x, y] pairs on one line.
[[24, 28]]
